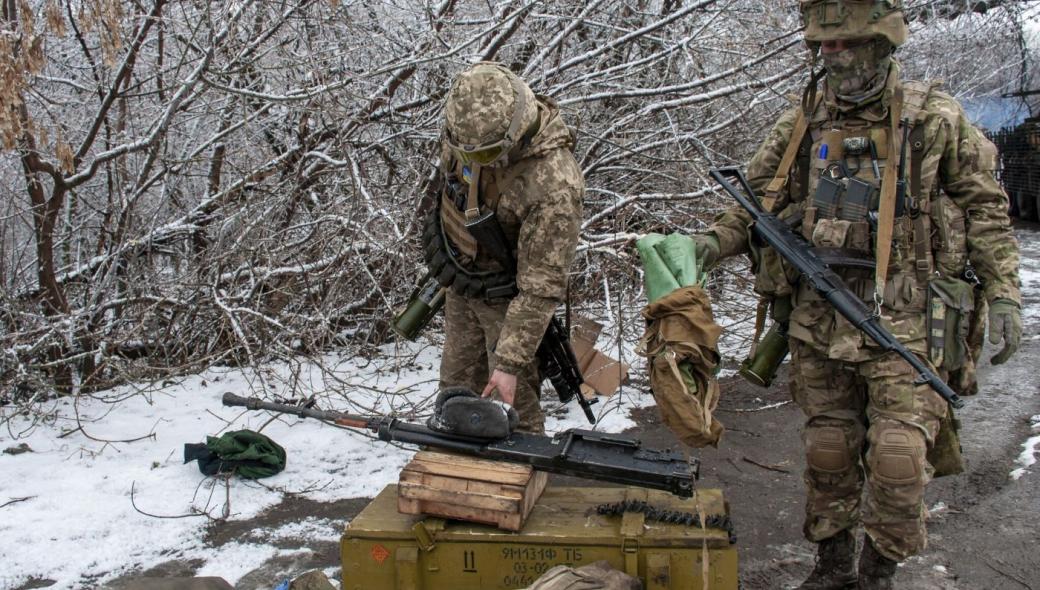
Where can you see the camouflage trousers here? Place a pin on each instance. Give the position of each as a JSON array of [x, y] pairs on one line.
[[471, 329], [867, 425]]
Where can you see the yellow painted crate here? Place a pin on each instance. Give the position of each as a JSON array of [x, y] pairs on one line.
[[385, 550]]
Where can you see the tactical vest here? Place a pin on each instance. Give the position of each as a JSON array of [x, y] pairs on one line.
[[841, 171], [452, 254]]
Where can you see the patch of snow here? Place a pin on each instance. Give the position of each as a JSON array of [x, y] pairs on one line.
[[1028, 456], [318, 529]]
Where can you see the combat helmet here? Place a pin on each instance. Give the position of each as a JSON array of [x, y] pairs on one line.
[[834, 20], [487, 112]]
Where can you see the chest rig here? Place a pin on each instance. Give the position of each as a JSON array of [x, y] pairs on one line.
[[464, 247], [833, 184], [858, 190]]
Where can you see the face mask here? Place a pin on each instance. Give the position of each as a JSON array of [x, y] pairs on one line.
[[858, 73]]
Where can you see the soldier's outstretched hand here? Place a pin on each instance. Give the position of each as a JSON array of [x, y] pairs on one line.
[[504, 383], [1005, 323]]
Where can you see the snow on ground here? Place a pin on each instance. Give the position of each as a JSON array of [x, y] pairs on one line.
[[1029, 274], [1028, 456], [78, 491]]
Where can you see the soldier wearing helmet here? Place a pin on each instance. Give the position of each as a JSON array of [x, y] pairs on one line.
[[507, 161], [831, 168]]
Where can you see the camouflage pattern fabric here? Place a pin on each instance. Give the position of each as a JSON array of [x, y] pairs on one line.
[[874, 406], [852, 392], [599, 575], [488, 104], [539, 208], [471, 328], [827, 20], [859, 72]]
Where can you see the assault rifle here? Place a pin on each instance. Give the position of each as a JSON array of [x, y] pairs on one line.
[[557, 363], [795, 250], [580, 453]]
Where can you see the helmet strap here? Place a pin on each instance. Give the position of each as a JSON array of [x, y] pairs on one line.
[[809, 94]]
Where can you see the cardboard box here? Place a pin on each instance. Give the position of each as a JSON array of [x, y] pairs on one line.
[[603, 374]]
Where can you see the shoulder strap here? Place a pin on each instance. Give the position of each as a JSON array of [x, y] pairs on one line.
[[914, 111], [775, 188], [887, 206], [916, 97]]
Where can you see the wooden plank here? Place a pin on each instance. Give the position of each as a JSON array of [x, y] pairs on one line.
[[462, 486], [470, 499], [471, 468], [408, 505], [532, 493], [465, 513]]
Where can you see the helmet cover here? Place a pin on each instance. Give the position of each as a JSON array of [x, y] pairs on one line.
[[486, 112], [836, 20]]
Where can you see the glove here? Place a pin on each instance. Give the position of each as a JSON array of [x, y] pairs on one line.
[[1005, 323], [708, 249]]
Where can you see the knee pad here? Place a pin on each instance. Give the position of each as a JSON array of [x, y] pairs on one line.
[[827, 448], [897, 455]]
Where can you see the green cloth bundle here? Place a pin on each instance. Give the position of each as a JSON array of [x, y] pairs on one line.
[[669, 263]]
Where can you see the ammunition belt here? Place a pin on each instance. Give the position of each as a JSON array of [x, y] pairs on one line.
[[443, 264], [654, 513]]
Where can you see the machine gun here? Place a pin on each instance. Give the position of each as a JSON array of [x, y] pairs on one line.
[[580, 453], [795, 250]]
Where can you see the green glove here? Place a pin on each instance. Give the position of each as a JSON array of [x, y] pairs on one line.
[[1005, 323], [708, 249]]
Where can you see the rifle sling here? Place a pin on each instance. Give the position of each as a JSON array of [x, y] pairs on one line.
[[775, 188]]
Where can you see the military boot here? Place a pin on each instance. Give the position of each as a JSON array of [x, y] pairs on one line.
[[875, 570], [835, 564]]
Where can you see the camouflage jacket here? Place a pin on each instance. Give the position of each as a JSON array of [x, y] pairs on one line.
[[966, 208], [539, 193]]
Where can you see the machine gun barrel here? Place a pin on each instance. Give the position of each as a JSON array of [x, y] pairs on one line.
[[580, 453], [794, 249]]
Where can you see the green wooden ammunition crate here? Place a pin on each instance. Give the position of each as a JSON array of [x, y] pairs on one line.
[[384, 550]]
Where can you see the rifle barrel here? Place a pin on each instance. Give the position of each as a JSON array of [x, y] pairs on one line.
[[795, 250], [348, 420]]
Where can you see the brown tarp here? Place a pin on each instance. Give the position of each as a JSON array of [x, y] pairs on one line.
[[681, 347]]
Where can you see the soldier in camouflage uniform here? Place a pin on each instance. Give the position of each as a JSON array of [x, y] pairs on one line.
[[867, 423], [507, 151]]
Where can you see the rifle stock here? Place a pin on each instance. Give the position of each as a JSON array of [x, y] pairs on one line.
[[794, 249], [580, 453]]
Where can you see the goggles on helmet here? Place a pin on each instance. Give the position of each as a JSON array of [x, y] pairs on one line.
[[485, 154]]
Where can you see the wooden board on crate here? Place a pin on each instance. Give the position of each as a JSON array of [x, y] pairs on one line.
[[470, 489]]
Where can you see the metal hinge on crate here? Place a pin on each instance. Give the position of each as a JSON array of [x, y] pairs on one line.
[[424, 530], [632, 524]]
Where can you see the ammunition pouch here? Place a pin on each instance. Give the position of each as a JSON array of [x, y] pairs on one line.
[[443, 263], [951, 302]]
